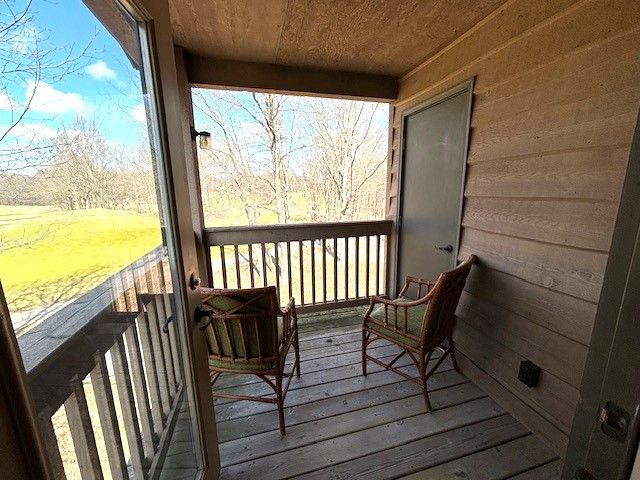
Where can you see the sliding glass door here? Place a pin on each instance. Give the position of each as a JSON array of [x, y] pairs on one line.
[[91, 262]]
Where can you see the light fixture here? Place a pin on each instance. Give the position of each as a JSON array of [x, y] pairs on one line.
[[205, 138]]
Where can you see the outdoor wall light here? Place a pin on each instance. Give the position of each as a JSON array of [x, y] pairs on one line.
[[205, 138]]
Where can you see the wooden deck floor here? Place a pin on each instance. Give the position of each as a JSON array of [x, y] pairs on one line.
[[341, 425]]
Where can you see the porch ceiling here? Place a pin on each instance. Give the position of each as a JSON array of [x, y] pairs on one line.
[[382, 37]]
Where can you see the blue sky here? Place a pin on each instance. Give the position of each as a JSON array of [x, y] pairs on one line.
[[106, 88]]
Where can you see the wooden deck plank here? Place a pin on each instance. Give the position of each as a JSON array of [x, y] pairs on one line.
[[245, 449], [363, 442], [426, 452], [316, 378], [550, 471], [329, 406], [296, 397], [495, 463], [308, 366], [343, 425]]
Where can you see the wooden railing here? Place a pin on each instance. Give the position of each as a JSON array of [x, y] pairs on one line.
[[120, 330], [324, 265]]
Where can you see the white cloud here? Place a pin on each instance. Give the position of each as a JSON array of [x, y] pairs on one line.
[[139, 113], [47, 99], [100, 71], [5, 102]]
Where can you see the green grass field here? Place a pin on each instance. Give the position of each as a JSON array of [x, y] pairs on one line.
[[49, 256]]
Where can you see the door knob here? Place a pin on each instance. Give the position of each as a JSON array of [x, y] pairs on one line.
[[446, 248]]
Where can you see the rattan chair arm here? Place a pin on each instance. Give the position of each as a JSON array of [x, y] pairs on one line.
[[289, 320], [399, 302], [290, 306]]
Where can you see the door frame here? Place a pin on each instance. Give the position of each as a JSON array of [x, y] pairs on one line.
[[612, 328], [14, 392], [464, 87]]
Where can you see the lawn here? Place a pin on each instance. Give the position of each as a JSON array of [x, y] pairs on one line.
[[49, 256]]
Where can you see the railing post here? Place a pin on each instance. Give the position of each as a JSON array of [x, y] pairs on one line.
[[128, 406], [108, 419], [84, 441]]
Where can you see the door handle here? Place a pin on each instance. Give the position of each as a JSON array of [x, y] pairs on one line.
[[446, 248]]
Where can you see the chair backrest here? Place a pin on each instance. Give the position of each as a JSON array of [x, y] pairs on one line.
[[244, 323], [440, 316]]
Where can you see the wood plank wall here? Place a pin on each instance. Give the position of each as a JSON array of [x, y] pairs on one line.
[[556, 97]]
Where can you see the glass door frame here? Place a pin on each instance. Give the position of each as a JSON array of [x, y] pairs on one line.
[[160, 64]]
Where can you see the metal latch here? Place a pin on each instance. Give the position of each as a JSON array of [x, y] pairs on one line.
[[614, 421]]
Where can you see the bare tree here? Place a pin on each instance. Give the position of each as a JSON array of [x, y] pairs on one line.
[[27, 63], [345, 171], [254, 142], [82, 174]]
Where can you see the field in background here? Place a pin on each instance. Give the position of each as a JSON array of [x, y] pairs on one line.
[[49, 256]]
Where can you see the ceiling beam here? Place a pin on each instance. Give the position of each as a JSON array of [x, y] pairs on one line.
[[214, 73]]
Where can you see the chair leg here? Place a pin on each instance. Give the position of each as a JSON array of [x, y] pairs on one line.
[[280, 402], [296, 347], [364, 352], [452, 352], [422, 371]]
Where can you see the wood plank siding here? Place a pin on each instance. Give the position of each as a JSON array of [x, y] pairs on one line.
[[555, 103]]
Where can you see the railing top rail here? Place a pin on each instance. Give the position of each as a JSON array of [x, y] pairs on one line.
[[243, 235], [43, 343]]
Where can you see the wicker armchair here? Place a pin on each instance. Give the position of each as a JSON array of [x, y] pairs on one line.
[[245, 337], [417, 326]]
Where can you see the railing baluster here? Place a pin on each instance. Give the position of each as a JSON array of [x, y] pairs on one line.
[[84, 440], [289, 269], [223, 263], [276, 259], [366, 261], [149, 440], [163, 382], [237, 261], [369, 261], [357, 267], [335, 269], [264, 265], [157, 412], [128, 406], [108, 419], [51, 445], [313, 271], [324, 270], [251, 274], [378, 265], [301, 262], [346, 268]]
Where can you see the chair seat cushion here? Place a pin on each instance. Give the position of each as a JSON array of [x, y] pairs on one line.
[[240, 366], [415, 317]]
